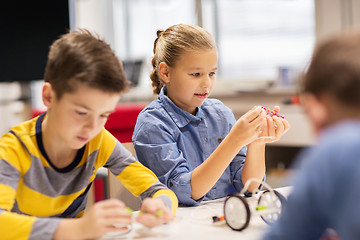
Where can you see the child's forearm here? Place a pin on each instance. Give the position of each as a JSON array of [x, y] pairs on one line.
[[244, 131], [254, 166], [208, 173]]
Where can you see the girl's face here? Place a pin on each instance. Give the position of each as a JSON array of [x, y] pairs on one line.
[[191, 80]]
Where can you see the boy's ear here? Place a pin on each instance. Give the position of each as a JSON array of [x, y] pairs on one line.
[[47, 94], [164, 72], [316, 111]]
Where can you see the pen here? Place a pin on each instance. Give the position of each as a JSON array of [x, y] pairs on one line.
[[129, 210], [158, 213]]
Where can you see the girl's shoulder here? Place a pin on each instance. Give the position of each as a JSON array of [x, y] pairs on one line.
[[153, 114], [213, 101], [154, 109], [215, 105]]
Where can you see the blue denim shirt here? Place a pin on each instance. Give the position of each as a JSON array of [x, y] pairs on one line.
[[172, 143], [326, 188]]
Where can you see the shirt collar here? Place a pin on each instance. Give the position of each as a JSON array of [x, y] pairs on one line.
[[179, 116]]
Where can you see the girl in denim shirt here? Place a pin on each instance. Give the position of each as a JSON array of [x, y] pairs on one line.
[[192, 143]]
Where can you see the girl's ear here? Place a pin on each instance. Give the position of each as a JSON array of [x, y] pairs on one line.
[[316, 111], [48, 94], [164, 72]]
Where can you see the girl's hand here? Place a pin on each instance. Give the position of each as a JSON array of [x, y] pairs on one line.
[[274, 128], [103, 217], [249, 126], [154, 212]]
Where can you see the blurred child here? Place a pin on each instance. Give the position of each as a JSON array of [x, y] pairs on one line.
[[193, 143], [326, 192], [47, 164]]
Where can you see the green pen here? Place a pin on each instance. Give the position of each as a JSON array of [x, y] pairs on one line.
[[158, 213], [129, 210]]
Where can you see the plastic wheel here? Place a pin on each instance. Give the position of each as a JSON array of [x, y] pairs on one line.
[[273, 203], [236, 212]]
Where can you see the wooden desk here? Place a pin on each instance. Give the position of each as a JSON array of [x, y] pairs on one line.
[[196, 223]]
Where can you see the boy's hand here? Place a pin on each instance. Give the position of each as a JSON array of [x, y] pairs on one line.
[[154, 212], [103, 217]]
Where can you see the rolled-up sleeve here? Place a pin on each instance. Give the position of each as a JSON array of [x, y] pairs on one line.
[[160, 153], [236, 167]]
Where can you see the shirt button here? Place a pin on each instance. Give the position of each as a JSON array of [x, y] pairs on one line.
[[219, 140], [171, 184]]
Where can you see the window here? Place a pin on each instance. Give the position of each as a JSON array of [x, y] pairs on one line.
[[136, 23], [254, 37]]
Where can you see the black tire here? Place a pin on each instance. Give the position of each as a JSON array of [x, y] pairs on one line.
[[229, 217], [282, 200]]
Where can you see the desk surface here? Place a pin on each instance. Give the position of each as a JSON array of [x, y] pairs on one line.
[[196, 223]]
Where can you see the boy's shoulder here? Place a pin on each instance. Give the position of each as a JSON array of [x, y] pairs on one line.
[[18, 141], [344, 133], [25, 129], [338, 146], [334, 158]]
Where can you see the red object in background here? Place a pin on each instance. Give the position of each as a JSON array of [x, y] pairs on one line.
[[100, 191], [295, 99], [35, 112], [120, 124]]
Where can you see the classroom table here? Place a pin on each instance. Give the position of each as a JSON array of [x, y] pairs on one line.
[[197, 223]]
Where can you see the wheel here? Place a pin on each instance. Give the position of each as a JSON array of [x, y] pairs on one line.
[[272, 205], [236, 212]]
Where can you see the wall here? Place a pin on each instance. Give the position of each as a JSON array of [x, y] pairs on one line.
[[12, 110], [95, 15], [333, 16]]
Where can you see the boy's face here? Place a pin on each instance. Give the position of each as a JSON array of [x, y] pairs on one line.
[[192, 79], [78, 117]]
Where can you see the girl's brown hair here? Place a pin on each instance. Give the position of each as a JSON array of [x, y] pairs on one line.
[[335, 70], [172, 43], [82, 57]]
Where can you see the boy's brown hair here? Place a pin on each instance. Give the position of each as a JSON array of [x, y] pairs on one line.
[[335, 70], [81, 57]]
